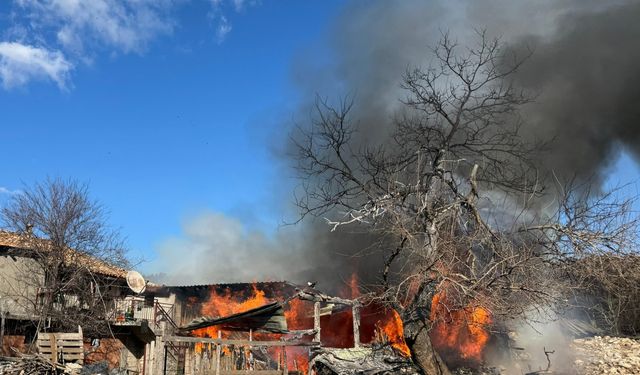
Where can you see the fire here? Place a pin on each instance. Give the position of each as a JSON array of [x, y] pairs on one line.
[[461, 332], [220, 304], [392, 329], [225, 304], [299, 315], [378, 324], [354, 291]]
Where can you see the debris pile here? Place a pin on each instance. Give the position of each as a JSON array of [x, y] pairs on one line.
[[607, 355], [29, 364], [362, 360]]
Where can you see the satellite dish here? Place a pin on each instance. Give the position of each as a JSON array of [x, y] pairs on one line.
[[136, 281]]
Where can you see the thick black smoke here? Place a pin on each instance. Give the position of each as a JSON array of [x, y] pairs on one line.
[[585, 71], [587, 75], [584, 74]]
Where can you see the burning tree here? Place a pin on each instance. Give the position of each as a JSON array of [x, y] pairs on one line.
[[67, 238], [472, 229]]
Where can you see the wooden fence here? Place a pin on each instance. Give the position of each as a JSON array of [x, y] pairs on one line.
[[206, 356], [61, 346]]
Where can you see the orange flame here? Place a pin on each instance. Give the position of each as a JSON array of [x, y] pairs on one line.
[[337, 329], [225, 304], [393, 331], [387, 323], [354, 291], [461, 333], [228, 303]]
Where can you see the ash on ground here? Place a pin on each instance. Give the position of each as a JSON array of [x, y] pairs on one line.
[[607, 355], [595, 355]]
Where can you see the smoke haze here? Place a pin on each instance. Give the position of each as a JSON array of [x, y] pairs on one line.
[[584, 73]]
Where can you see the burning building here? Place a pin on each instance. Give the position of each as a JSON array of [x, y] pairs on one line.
[[269, 327], [274, 327]]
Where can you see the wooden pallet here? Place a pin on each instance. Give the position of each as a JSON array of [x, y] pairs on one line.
[[62, 346]]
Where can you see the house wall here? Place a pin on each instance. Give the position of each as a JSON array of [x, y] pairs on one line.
[[11, 342], [122, 352], [20, 279]]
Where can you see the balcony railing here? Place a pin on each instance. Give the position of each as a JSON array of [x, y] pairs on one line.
[[133, 310]]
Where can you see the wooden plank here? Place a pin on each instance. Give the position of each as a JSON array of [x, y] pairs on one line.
[[240, 342], [71, 357], [68, 345], [218, 350], [68, 336], [59, 348], [316, 320], [251, 372], [355, 312], [68, 342], [54, 350], [71, 350], [2, 318], [285, 365], [319, 297]]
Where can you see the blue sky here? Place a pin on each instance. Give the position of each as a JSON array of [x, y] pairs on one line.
[[168, 108], [184, 122]]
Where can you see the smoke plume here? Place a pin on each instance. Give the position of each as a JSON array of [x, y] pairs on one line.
[[215, 248], [583, 71], [583, 74]]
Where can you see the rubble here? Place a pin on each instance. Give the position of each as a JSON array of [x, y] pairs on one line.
[[361, 361], [29, 364], [607, 355]]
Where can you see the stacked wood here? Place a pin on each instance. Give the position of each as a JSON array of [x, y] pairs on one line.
[[29, 364]]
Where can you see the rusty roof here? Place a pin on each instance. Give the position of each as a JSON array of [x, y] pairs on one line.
[[15, 240]]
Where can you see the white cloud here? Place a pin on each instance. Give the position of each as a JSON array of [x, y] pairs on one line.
[[4, 190], [21, 63], [223, 28], [48, 38], [238, 4], [218, 11], [125, 25]]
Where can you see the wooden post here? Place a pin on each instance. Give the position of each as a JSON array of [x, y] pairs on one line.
[[316, 321], [164, 371], [2, 318], [144, 360], [192, 359], [199, 361], [54, 348], [355, 311], [218, 350], [250, 352], [232, 365], [285, 367]]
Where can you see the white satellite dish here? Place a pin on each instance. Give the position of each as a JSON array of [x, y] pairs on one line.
[[136, 281]]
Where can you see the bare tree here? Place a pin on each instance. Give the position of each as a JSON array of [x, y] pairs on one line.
[[455, 193], [74, 255]]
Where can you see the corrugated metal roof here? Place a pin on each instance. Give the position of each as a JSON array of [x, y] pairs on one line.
[[269, 317], [222, 285]]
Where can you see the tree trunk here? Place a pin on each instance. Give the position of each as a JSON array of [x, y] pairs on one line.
[[416, 335]]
